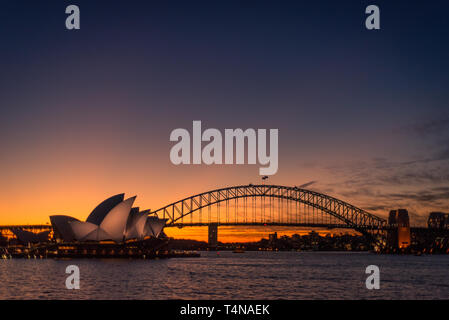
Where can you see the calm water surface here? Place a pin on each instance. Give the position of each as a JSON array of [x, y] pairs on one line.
[[227, 275]]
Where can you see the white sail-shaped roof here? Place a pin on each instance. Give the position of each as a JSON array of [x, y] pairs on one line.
[[154, 226], [62, 227], [114, 224], [111, 220], [140, 225], [82, 229], [97, 235], [137, 229], [99, 213], [131, 232]]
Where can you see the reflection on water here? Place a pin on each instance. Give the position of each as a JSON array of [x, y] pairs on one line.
[[225, 275]]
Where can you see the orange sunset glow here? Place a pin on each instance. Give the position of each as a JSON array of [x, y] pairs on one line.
[[223, 159], [88, 115]]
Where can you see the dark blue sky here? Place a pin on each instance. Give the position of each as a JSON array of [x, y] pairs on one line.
[[343, 98]]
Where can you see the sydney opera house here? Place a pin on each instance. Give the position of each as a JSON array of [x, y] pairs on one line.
[[114, 229], [115, 219]]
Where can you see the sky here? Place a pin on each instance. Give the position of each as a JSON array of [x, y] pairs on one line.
[[85, 114]]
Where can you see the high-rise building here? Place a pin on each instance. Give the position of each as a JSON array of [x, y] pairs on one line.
[[272, 237], [438, 220]]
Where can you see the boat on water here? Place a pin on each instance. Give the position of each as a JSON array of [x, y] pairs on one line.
[[238, 250]]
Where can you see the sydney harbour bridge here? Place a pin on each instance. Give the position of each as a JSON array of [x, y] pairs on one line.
[[269, 205], [264, 205]]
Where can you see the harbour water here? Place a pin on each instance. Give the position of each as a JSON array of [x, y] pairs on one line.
[[227, 275]]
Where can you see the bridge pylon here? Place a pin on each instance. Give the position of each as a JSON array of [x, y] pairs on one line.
[[213, 235]]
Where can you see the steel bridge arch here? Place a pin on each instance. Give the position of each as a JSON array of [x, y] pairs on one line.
[[355, 218]]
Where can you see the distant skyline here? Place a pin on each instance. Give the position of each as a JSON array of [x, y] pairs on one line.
[[362, 115]]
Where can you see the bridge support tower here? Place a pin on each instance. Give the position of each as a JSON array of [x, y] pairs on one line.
[[399, 236], [213, 235]]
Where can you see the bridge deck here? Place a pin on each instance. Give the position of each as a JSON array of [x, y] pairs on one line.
[[31, 226]]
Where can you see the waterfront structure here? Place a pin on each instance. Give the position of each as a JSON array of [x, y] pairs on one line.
[[114, 219], [248, 205], [273, 237], [99, 213], [438, 220], [213, 235], [255, 205], [105, 225], [154, 226], [399, 235], [61, 227], [30, 237], [135, 227]]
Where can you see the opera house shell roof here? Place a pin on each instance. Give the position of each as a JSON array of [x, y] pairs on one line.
[[113, 219]]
